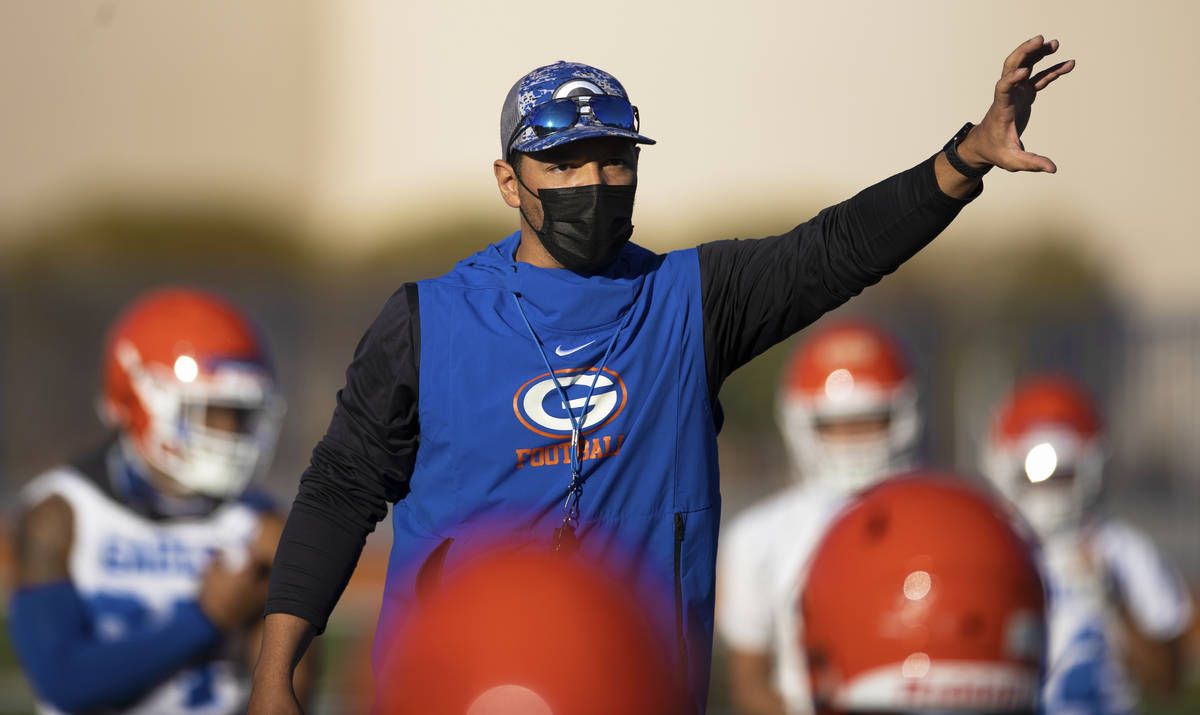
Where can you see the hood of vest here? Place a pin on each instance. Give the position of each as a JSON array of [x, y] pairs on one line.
[[558, 298]]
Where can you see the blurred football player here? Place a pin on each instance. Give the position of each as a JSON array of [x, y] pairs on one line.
[[142, 568], [848, 413], [528, 631], [922, 597], [1117, 609]]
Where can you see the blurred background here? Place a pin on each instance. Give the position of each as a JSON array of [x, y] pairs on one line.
[[305, 158]]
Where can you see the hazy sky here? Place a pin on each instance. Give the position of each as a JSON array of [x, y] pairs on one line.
[[354, 116]]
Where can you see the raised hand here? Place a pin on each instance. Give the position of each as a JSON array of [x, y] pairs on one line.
[[997, 138]]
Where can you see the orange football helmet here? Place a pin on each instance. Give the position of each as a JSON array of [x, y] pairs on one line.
[[171, 356], [848, 371], [922, 596], [528, 632], [1046, 454]]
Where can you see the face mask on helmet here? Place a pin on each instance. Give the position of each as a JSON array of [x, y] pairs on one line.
[[848, 411], [849, 451], [210, 430], [1051, 474], [188, 386], [1045, 454]]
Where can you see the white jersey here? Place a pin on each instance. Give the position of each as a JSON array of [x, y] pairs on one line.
[[760, 565], [1084, 570], [130, 570]]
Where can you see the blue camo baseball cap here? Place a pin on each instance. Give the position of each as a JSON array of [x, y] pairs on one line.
[[558, 81]]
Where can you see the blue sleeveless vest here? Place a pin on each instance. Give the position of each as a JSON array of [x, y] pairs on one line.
[[495, 435]]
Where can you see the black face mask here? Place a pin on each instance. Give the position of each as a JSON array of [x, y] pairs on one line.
[[584, 228]]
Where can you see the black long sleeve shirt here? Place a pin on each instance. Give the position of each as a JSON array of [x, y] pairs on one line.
[[755, 294]]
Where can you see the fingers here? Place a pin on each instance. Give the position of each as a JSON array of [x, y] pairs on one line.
[[1027, 161], [1039, 81], [1017, 56], [1016, 91], [1029, 53], [1009, 81], [1040, 53], [1046, 76]]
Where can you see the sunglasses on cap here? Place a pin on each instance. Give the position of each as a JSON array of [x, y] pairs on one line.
[[559, 114]]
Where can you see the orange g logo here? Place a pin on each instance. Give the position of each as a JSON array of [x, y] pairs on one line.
[[539, 406]]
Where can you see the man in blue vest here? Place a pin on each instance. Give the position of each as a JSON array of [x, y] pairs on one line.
[[564, 381]]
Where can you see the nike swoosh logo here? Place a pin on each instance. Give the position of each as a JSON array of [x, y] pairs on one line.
[[563, 353]]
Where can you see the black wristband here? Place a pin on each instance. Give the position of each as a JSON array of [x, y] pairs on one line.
[[962, 167]]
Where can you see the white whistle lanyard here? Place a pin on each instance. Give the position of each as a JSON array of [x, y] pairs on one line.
[[570, 505]]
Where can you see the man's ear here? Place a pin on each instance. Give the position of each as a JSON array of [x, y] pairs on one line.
[[506, 181]]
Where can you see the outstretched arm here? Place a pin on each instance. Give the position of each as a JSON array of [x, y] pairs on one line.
[[757, 293], [996, 140]]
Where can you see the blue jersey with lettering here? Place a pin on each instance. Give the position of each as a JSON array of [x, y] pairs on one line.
[[495, 433], [131, 571], [1086, 571]]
